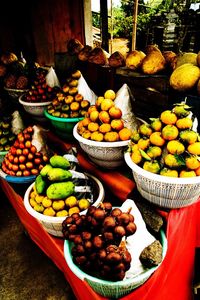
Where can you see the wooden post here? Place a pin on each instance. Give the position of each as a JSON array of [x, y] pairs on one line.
[[104, 24], [135, 13]]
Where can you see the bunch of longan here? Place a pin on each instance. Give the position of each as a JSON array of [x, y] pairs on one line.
[[98, 237]]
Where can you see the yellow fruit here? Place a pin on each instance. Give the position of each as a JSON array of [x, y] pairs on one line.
[[117, 124], [73, 210], [184, 173], [106, 104], [175, 147], [46, 202], [172, 161], [154, 151], [156, 139], [110, 94], [86, 134], [104, 117], [168, 117], [62, 213], [39, 208], [32, 202], [98, 101], [145, 129], [192, 162], [189, 136], [71, 201], [135, 136], [49, 211], [152, 166], [111, 136], [93, 126], [85, 122], [143, 143], [58, 205], [136, 157], [181, 110], [94, 115], [170, 132], [125, 134], [103, 128], [169, 172], [184, 123], [97, 136], [194, 148], [156, 124], [83, 204]]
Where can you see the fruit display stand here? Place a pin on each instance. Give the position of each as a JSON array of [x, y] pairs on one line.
[[172, 280]]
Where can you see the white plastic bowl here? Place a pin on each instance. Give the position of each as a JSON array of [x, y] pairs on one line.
[[36, 109], [109, 155], [164, 191], [53, 225]]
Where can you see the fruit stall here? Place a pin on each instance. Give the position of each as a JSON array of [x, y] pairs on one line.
[[100, 159]]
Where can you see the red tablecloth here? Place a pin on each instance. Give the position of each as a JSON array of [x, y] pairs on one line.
[[172, 280]]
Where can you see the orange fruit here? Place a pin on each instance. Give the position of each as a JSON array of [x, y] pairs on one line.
[[168, 117], [86, 121], [111, 136], [135, 136], [97, 136], [117, 124], [169, 172], [194, 148], [175, 147], [192, 162], [145, 129], [92, 126], [170, 132], [106, 104], [78, 98], [109, 94], [104, 117], [103, 128], [185, 173], [184, 123], [136, 157], [69, 99], [143, 143], [85, 104], [156, 139], [115, 112], [197, 171], [94, 115], [91, 108], [125, 134], [86, 134], [74, 106], [98, 101], [189, 136]]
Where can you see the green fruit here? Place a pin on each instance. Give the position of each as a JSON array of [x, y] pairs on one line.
[[59, 161], [58, 174], [45, 170], [40, 184], [60, 190]]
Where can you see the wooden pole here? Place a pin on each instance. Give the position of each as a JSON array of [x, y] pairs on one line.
[[135, 13]]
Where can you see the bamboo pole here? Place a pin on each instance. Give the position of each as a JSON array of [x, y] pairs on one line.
[[135, 14]]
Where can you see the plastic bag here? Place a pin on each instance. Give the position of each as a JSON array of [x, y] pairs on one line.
[[85, 91], [123, 101], [52, 79], [17, 123]]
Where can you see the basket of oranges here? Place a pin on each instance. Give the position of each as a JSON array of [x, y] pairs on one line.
[[164, 157]]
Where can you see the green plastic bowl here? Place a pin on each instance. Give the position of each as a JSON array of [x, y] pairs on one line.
[[112, 289], [63, 126]]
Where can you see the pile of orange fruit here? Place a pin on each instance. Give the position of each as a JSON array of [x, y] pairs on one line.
[[168, 145], [103, 122]]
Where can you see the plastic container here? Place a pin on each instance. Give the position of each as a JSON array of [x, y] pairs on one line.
[[53, 225], [164, 191], [109, 155], [108, 288], [36, 109], [63, 126]]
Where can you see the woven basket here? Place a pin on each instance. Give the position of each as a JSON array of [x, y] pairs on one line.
[[108, 288], [164, 191], [15, 93]]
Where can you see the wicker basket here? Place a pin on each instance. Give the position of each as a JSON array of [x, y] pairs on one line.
[[15, 93], [164, 191], [108, 288], [53, 225]]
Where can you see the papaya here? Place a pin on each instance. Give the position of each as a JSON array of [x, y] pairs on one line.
[[40, 184], [60, 190], [59, 161], [58, 174], [134, 59], [186, 57]]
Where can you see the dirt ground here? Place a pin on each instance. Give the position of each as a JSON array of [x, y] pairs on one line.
[[119, 44]]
